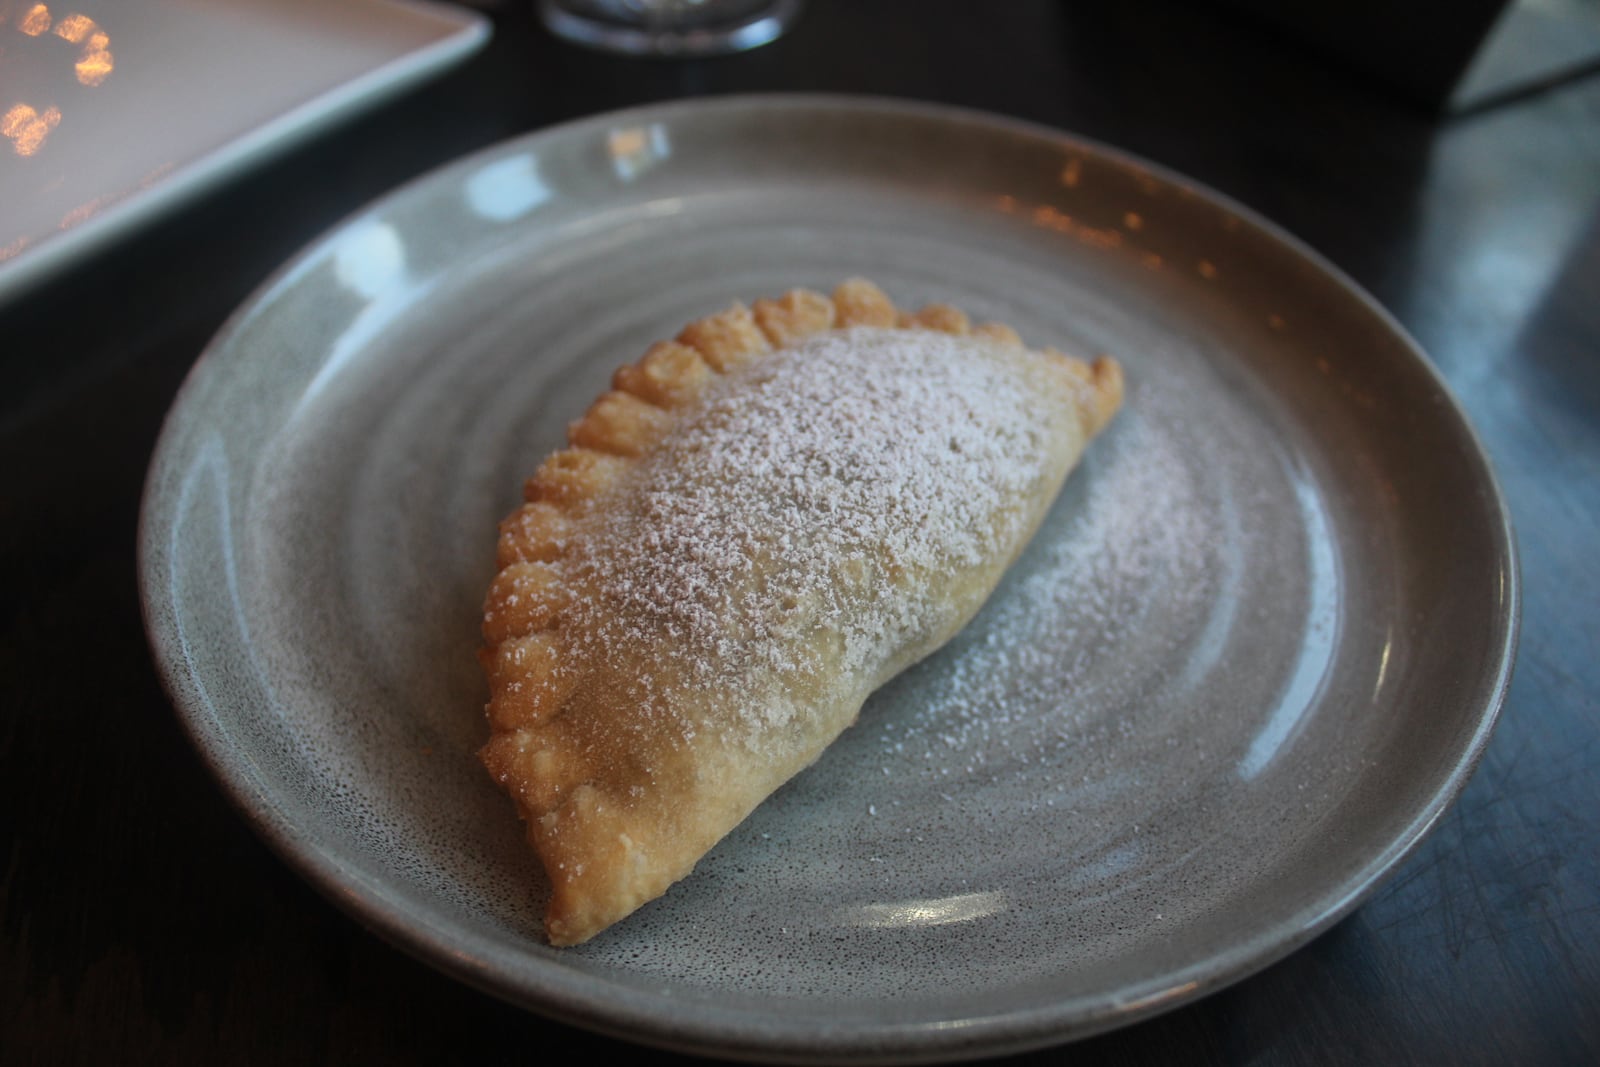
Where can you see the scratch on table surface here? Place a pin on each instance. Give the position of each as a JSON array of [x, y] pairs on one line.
[[1504, 865]]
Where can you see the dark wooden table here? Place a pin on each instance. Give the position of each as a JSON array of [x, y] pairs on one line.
[[140, 919]]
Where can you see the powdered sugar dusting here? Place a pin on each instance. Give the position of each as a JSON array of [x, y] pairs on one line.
[[1140, 526], [1152, 550], [801, 491]]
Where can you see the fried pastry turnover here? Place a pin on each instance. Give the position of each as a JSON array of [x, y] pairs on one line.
[[762, 522]]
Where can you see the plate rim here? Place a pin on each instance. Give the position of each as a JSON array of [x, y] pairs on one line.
[[591, 1002]]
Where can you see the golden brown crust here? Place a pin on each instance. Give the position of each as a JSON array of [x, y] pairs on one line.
[[621, 424], [858, 302], [669, 376], [523, 673], [941, 317], [536, 775], [799, 313], [546, 757], [574, 475], [999, 333], [523, 598], [1105, 392], [1101, 386], [727, 340], [535, 532]]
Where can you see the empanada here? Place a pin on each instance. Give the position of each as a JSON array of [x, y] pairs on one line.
[[764, 520]]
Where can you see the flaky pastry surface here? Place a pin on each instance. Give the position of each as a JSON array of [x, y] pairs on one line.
[[764, 520]]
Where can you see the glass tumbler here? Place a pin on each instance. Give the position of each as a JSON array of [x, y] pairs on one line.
[[669, 28]]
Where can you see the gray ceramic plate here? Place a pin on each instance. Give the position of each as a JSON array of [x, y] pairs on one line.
[[1250, 658]]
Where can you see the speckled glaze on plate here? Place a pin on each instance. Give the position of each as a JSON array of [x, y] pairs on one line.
[[1253, 653]]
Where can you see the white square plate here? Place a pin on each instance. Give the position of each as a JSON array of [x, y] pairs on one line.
[[111, 110]]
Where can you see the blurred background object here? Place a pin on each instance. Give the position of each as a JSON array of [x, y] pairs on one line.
[[1449, 55], [113, 110], [669, 28]]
